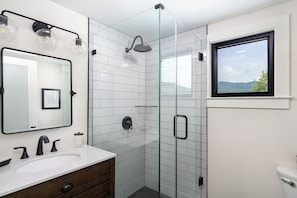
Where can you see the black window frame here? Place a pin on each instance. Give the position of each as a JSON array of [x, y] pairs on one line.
[[269, 36]]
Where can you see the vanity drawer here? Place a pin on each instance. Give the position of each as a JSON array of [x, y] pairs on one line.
[[98, 191], [93, 181]]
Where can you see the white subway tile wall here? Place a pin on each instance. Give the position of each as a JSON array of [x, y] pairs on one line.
[[118, 83]]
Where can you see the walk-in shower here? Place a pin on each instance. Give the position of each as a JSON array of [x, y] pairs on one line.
[[162, 91], [139, 47]]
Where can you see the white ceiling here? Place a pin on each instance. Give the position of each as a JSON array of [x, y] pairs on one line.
[[192, 13]]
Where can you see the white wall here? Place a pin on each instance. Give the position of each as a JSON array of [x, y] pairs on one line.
[[51, 13], [49, 78], [246, 145]]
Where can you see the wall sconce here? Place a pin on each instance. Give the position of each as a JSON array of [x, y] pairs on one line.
[[46, 39], [78, 47], [8, 30]]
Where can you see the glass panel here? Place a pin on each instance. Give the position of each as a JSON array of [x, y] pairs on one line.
[[151, 88], [167, 104], [183, 82], [125, 84], [189, 105], [184, 69]]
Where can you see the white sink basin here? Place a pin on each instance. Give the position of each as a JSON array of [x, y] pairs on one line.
[[47, 163]]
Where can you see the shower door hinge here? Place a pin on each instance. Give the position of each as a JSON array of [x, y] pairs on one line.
[[200, 56], [94, 52], [200, 181], [160, 5]]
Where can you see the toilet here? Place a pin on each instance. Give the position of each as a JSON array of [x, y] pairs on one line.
[[288, 177]]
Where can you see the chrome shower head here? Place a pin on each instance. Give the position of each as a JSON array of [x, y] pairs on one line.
[[140, 47]]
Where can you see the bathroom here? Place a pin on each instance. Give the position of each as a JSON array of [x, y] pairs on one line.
[[239, 141]]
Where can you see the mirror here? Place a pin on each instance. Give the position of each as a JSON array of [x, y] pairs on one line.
[[36, 91]]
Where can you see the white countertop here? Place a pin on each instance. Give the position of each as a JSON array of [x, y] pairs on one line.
[[12, 181]]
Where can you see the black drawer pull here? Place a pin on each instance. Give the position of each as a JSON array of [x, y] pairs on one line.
[[67, 187]]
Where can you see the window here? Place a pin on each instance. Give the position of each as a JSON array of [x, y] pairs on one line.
[[183, 75], [244, 66]]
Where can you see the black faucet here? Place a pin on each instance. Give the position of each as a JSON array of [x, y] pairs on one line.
[[43, 138]]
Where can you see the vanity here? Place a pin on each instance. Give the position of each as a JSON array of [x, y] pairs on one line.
[[77, 172], [36, 94]]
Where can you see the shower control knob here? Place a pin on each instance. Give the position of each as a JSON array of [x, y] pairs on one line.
[[127, 123]]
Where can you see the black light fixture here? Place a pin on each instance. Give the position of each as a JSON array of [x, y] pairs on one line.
[[78, 47], [8, 30], [46, 39]]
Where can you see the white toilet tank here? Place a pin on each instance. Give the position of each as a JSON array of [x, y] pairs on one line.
[[288, 177]]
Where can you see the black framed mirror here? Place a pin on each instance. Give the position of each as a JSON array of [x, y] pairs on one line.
[[36, 91]]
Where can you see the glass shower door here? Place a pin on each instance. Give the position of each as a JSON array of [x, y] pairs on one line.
[[161, 91], [180, 111]]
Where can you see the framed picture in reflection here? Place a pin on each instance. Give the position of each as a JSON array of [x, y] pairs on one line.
[[51, 98]]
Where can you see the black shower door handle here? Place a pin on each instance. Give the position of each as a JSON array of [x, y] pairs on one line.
[[186, 127]]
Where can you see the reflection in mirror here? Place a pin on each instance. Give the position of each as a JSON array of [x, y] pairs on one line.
[[25, 76]]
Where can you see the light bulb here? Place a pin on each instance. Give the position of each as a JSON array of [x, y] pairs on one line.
[[78, 47], [46, 40], [8, 31]]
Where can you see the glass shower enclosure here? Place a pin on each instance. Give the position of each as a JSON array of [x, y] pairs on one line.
[[147, 89]]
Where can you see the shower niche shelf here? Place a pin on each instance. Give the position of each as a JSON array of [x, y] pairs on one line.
[[144, 106]]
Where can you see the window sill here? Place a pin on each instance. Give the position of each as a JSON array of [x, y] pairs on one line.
[[249, 102]]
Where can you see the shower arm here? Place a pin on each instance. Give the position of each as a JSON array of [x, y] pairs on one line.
[[127, 50]]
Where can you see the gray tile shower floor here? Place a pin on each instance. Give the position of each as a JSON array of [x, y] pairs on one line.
[[146, 192]]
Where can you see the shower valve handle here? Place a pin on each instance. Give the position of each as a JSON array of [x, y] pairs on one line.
[[127, 123]]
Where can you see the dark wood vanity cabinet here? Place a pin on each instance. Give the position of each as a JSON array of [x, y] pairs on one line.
[[93, 181]]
